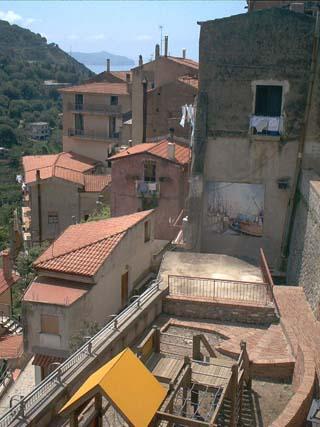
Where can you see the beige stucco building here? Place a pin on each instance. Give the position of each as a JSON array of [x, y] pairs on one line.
[[88, 274], [60, 190], [94, 114], [159, 89]]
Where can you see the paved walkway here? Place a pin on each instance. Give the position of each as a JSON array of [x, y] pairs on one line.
[[21, 387]]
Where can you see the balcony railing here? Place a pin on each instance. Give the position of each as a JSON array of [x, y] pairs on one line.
[[95, 108], [147, 189], [93, 134], [219, 289]]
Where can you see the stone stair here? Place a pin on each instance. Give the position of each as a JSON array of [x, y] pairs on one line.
[[11, 325]]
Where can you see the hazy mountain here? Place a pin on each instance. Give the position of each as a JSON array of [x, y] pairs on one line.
[[100, 58]]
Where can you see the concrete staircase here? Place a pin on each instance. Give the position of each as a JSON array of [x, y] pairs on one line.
[[11, 325]]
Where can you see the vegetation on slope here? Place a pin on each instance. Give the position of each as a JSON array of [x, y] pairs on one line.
[[26, 61]]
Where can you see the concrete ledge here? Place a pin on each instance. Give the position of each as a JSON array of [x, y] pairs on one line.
[[233, 311]]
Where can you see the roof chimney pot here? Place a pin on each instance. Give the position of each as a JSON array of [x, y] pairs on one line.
[[184, 53], [108, 65], [165, 45], [171, 150], [140, 61], [157, 52]]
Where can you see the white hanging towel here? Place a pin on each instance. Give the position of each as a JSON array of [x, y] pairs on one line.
[[183, 118]]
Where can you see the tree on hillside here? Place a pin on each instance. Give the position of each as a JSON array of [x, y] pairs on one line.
[[7, 136]]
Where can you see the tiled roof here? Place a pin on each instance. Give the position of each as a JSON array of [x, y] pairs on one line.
[[67, 166], [159, 149], [11, 346], [6, 284], [112, 76], [104, 88], [44, 361], [185, 61], [64, 165], [96, 183], [49, 290], [191, 81], [83, 248]]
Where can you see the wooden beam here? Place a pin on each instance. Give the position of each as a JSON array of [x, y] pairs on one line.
[[184, 376], [164, 416], [208, 347]]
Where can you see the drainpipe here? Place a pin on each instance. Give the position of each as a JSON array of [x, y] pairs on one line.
[[38, 179], [144, 110], [294, 192]]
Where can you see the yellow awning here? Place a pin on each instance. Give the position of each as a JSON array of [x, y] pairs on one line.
[[128, 385]]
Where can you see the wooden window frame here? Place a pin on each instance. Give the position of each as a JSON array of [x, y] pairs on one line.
[[48, 319]]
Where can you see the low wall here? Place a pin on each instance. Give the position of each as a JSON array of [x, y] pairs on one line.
[[219, 310], [296, 411]]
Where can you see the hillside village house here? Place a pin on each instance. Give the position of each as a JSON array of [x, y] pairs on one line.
[[152, 175], [94, 114], [61, 189], [253, 86], [159, 89], [88, 274]]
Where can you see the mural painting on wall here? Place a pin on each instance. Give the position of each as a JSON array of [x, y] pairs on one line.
[[235, 208]]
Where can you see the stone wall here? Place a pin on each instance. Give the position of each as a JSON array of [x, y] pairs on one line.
[[221, 311], [303, 263]]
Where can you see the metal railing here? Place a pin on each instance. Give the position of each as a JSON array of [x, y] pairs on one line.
[[219, 289], [95, 108], [57, 379], [93, 134]]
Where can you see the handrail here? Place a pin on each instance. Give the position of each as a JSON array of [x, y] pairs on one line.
[[53, 382], [268, 279]]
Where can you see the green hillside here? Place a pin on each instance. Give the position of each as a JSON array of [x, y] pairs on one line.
[[26, 61]]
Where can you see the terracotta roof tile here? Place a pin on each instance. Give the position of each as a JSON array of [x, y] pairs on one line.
[[159, 149], [96, 183], [191, 81], [185, 61], [11, 346], [68, 166], [82, 248], [44, 360], [103, 88], [6, 284], [49, 290]]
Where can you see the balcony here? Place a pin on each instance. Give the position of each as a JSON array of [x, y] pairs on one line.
[[147, 189], [101, 109], [94, 135]]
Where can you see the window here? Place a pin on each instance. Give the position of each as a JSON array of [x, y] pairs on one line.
[[53, 218], [147, 231], [114, 100], [49, 324], [268, 101], [150, 171], [112, 127], [78, 122], [78, 101]]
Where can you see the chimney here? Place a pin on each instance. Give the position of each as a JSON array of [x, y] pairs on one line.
[[6, 264], [165, 45], [171, 150], [108, 65], [140, 61], [157, 52], [184, 53], [128, 78], [171, 135]]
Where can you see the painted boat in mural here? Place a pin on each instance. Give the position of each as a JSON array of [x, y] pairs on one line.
[[247, 227]]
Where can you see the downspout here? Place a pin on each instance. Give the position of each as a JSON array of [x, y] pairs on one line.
[[38, 179], [294, 192], [144, 110]]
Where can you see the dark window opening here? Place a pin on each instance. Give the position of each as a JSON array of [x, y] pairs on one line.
[[78, 122], [53, 218], [268, 101], [112, 127], [149, 171], [79, 101], [147, 231], [114, 100]]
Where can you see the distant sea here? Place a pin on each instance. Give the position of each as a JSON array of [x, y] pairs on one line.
[[100, 68]]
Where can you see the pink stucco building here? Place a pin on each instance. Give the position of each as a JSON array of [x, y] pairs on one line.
[[152, 175]]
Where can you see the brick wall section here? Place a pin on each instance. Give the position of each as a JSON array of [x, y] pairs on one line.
[[303, 265], [303, 332], [224, 310]]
